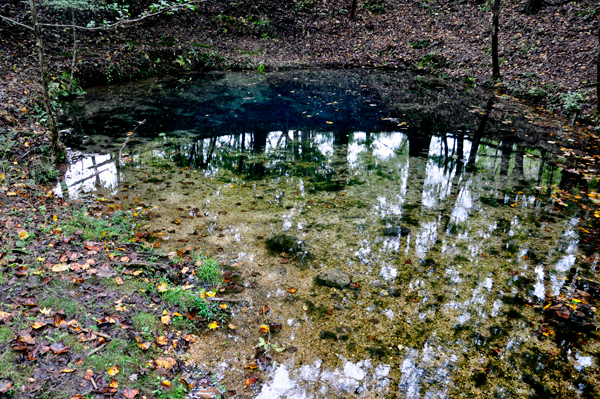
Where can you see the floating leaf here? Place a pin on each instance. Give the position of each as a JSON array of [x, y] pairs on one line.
[[264, 328], [292, 290]]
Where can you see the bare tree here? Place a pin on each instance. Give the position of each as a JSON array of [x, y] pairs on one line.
[[495, 28]]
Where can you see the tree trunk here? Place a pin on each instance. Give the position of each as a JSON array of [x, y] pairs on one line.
[[495, 22], [57, 146], [74, 51], [598, 67], [353, 10]]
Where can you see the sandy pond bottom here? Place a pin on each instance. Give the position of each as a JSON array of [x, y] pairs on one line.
[[453, 309]]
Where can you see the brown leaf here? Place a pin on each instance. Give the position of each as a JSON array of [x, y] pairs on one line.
[[292, 290], [5, 316], [5, 386], [58, 348], [250, 382], [106, 271], [162, 340], [27, 339], [130, 393]]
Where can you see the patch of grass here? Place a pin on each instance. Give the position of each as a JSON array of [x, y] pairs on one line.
[[44, 173], [208, 270], [72, 307], [118, 226], [145, 321], [128, 357], [187, 300], [11, 371], [6, 334]]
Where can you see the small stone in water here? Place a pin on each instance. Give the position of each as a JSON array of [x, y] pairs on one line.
[[333, 278], [396, 231]]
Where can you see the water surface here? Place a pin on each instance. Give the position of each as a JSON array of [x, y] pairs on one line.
[[470, 304]]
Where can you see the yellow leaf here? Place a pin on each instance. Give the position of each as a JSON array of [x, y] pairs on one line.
[[119, 281], [211, 294], [114, 370], [23, 235], [223, 306], [264, 328], [166, 319], [60, 267], [67, 370], [213, 325], [166, 383], [162, 287], [166, 362], [55, 218]]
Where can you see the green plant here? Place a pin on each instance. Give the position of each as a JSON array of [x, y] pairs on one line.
[[420, 43], [571, 102], [44, 173], [117, 226], [376, 7], [267, 346], [208, 270], [187, 300]]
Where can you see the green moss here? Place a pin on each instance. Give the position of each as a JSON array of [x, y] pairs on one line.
[[6, 334]]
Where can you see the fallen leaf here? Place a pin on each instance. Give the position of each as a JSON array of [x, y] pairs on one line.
[[88, 375], [67, 370], [166, 383], [166, 319], [166, 363], [5, 316], [231, 326], [23, 235], [162, 340], [208, 393], [143, 345], [113, 384], [58, 348], [213, 326], [27, 339], [114, 370], [162, 287], [130, 393], [119, 281], [60, 267], [264, 328], [292, 290], [106, 271], [5, 386], [39, 324], [250, 381]]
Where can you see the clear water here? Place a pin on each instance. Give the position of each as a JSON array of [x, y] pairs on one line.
[[454, 309]]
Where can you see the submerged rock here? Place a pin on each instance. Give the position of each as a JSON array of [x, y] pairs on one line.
[[333, 278], [396, 231], [285, 243]]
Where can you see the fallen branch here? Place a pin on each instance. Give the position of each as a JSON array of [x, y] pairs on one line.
[[96, 350]]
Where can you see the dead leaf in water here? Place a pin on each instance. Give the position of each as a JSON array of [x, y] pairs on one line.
[[292, 290]]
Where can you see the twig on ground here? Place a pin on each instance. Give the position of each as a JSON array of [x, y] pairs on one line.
[[129, 137]]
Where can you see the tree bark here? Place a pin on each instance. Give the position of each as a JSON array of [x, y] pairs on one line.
[[353, 10], [57, 146], [598, 67], [495, 28], [74, 51]]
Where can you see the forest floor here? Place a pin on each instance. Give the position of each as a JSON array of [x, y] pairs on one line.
[[82, 313]]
